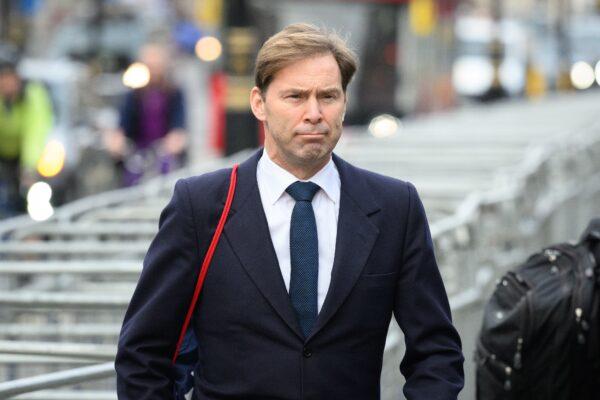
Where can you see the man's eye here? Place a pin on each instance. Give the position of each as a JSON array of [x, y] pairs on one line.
[[293, 96]]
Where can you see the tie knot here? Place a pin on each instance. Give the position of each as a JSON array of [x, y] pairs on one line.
[[303, 191]]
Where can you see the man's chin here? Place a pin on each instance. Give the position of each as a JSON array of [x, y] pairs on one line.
[[312, 153]]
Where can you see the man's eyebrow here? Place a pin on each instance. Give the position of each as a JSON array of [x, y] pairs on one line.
[[331, 90], [293, 90]]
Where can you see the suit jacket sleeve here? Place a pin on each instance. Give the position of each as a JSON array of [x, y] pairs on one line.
[[158, 306], [433, 362]]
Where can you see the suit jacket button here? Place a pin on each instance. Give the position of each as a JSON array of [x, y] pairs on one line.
[[306, 353]]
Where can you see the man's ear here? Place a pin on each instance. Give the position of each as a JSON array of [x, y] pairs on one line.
[[257, 104]]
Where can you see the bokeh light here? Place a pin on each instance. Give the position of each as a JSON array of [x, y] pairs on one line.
[[52, 160], [208, 48], [472, 75], [40, 212], [39, 192], [38, 201], [582, 75], [136, 76], [384, 125]]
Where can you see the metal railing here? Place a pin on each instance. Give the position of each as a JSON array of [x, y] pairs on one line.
[[56, 379]]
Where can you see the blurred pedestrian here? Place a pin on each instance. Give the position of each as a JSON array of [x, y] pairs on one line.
[[315, 258], [152, 121], [25, 121]]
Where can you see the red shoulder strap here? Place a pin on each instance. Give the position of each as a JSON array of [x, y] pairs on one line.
[[207, 259]]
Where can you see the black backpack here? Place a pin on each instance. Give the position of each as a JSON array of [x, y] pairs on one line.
[[540, 337]]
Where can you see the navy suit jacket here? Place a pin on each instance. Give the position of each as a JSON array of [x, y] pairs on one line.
[[250, 343]]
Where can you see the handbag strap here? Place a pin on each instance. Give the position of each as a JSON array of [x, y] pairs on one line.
[[207, 259]]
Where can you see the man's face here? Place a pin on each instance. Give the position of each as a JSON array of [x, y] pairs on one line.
[[10, 84], [302, 110]]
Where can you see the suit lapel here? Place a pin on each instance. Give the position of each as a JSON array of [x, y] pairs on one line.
[[248, 235], [356, 235]]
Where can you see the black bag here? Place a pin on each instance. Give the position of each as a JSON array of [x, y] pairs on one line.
[[540, 334]]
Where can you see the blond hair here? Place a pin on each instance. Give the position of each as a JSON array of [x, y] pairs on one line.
[[297, 42]]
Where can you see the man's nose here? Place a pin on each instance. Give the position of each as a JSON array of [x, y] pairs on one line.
[[313, 111]]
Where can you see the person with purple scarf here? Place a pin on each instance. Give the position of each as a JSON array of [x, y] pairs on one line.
[[153, 119]]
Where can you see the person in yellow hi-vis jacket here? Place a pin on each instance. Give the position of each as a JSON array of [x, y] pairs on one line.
[[25, 121]]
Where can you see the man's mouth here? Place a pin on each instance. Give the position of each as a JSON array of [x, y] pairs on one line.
[[317, 132]]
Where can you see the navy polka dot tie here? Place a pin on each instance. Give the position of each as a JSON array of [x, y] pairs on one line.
[[304, 254]]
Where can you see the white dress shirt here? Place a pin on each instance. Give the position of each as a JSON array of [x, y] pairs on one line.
[[278, 206]]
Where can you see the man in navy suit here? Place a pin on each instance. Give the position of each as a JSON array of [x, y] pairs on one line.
[[315, 257]]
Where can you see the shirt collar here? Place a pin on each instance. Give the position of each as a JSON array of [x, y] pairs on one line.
[[279, 179]]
